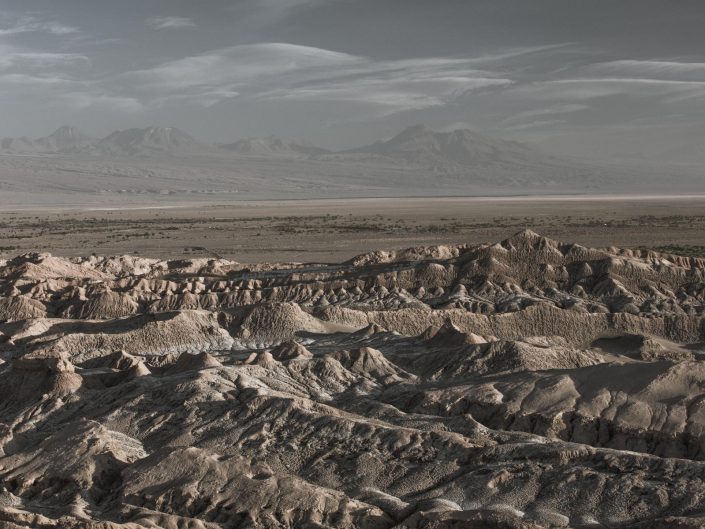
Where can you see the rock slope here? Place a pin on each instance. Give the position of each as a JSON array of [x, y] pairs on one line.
[[523, 384]]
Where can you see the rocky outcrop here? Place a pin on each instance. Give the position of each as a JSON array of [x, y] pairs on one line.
[[523, 384]]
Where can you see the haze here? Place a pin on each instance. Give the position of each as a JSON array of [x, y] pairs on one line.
[[600, 80]]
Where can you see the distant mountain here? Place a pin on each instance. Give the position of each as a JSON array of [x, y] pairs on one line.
[[151, 140], [62, 140], [65, 139], [452, 150], [19, 145], [272, 146]]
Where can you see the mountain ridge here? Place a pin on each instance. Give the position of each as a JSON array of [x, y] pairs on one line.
[[461, 148], [273, 146], [415, 144], [149, 140], [63, 139], [416, 159]]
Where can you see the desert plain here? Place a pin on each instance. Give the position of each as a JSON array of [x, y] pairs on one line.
[[333, 230]]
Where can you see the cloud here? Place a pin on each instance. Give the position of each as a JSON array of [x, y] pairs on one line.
[[291, 72], [259, 72], [403, 93], [55, 90], [171, 23], [262, 13], [32, 82], [521, 53], [649, 68], [41, 79], [10, 58], [236, 65], [287, 5], [542, 123], [204, 99], [229, 72], [583, 89], [31, 24], [668, 80], [547, 111], [82, 100]]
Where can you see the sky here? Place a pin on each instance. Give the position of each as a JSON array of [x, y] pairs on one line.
[[593, 78]]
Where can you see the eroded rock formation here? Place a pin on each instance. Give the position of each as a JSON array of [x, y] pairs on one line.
[[522, 384]]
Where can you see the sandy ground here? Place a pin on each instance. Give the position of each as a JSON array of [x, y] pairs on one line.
[[333, 230]]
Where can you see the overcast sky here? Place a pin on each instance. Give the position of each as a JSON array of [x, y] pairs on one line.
[[593, 77]]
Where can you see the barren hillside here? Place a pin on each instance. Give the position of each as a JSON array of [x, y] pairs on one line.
[[527, 383]]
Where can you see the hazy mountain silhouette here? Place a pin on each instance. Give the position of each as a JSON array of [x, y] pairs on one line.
[[19, 145], [416, 161], [151, 140], [273, 146], [453, 150], [65, 139]]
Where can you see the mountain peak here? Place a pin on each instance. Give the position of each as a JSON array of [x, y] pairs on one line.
[[149, 140], [412, 132], [66, 130], [272, 146], [63, 139], [69, 134], [452, 151]]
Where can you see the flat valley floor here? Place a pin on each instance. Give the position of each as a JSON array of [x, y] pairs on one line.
[[336, 230]]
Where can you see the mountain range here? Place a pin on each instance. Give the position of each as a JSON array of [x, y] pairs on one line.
[[63, 139], [167, 162], [273, 146], [417, 145], [460, 152], [456, 150], [151, 140]]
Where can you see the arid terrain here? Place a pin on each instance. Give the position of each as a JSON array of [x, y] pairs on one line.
[[519, 383], [323, 264], [337, 229]]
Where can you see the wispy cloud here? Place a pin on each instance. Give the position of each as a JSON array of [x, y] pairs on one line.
[[234, 66], [41, 78], [648, 68], [10, 58], [546, 111], [538, 124], [398, 94], [83, 99], [263, 13], [291, 72], [55, 90], [31, 82], [586, 89], [668, 80], [32, 24], [171, 23], [286, 5]]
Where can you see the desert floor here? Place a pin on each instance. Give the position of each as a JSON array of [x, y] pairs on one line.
[[334, 230]]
